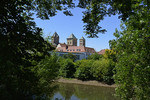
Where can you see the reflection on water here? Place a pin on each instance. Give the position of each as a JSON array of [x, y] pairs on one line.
[[68, 91]]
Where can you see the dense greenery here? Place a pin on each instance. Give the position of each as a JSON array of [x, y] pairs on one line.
[[100, 69], [95, 56], [70, 56], [22, 45], [84, 70], [133, 55], [67, 68]]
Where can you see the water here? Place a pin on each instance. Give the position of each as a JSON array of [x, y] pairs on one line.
[[68, 91]]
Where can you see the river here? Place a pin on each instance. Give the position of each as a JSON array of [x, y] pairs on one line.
[[67, 91]]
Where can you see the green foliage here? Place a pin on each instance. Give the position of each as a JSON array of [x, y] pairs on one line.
[[94, 56], [133, 55], [103, 70], [22, 46], [67, 68], [46, 70], [70, 56], [84, 70], [95, 11], [110, 54]]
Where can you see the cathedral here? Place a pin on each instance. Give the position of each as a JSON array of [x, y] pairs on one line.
[[71, 40], [81, 51]]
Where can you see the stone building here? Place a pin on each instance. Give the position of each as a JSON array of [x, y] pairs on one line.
[[82, 41], [55, 39], [81, 51], [72, 40]]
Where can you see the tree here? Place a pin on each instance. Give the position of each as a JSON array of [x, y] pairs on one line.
[[22, 44], [70, 56], [67, 68], [94, 56], [133, 55], [110, 54]]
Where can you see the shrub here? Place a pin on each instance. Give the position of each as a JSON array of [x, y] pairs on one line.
[[103, 70], [108, 76], [83, 72], [67, 68], [70, 56], [95, 56]]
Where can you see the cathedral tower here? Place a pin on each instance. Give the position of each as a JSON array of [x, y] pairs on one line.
[[82, 41], [72, 40], [55, 39]]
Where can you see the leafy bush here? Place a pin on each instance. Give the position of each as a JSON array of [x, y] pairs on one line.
[[108, 76], [95, 56], [46, 71], [99, 68], [70, 56], [84, 70], [103, 70], [67, 68], [110, 54]]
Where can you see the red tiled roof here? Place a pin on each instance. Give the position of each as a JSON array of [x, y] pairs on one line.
[[66, 48], [101, 52]]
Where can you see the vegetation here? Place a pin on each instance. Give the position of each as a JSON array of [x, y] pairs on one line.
[[22, 45], [133, 52], [70, 56], [95, 56], [84, 70], [67, 68], [97, 67]]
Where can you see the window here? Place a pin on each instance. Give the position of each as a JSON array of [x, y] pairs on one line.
[[73, 50]]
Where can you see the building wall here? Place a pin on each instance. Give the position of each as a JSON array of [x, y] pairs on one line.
[[80, 56], [71, 41], [82, 42], [55, 40]]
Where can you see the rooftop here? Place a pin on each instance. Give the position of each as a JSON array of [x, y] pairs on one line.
[[72, 36]]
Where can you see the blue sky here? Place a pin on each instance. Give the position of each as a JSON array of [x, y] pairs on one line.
[[65, 25]]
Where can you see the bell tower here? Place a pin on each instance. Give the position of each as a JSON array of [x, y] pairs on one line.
[[72, 40], [82, 41], [55, 39]]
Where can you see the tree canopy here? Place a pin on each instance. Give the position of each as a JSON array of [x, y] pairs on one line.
[[95, 10]]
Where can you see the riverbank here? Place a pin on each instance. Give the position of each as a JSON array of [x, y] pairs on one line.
[[93, 83]]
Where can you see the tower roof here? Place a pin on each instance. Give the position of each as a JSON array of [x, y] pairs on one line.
[[72, 36], [55, 35], [82, 38]]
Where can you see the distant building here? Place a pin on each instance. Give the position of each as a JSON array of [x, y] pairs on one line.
[[101, 52], [82, 41], [81, 51], [72, 40], [55, 39]]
